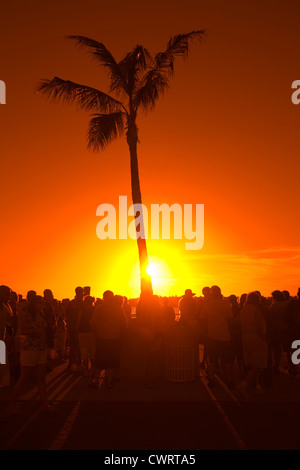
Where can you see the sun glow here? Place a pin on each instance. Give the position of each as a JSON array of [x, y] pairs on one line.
[[168, 269], [161, 274], [165, 269], [153, 270]]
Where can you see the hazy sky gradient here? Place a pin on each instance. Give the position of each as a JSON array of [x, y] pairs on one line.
[[226, 135]]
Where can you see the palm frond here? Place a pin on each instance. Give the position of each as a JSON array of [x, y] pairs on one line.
[[152, 86], [104, 128], [104, 56], [88, 98], [177, 46], [156, 81], [132, 66], [138, 58]]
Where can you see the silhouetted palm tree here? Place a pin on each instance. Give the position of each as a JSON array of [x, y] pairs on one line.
[[137, 81]]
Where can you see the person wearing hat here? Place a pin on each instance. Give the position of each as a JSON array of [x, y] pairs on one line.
[[188, 309]]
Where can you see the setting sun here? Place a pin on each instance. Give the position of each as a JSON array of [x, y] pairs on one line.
[[152, 270]]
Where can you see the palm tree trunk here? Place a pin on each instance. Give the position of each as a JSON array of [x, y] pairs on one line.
[[132, 139]]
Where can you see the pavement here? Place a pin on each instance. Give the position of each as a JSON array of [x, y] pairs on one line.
[[175, 416]]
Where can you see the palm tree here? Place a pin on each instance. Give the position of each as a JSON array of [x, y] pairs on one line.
[[137, 81]]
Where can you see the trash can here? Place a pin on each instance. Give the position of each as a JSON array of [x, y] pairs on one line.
[[181, 355]]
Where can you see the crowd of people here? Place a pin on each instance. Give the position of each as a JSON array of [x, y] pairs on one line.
[[251, 331], [242, 337]]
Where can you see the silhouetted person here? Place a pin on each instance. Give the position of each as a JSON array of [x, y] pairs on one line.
[[86, 291], [118, 299], [86, 337], [188, 310], [202, 325], [50, 317], [98, 302], [279, 325], [255, 349], [265, 310], [167, 313], [236, 333], [22, 306], [6, 331], [127, 309], [13, 301], [14, 353], [33, 356], [73, 312], [217, 314], [109, 323], [5, 311], [242, 301], [60, 335]]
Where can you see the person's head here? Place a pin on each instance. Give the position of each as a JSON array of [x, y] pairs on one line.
[[286, 294], [215, 293], [253, 298], [206, 292], [30, 295], [98, 302], [48, 295], [189, 293], [125, 301], [79, 293], [36, 305], [243, 299], [264, 301], [13, 297], [89, 300], [298, 293], [277, 296], [86, 290], [232, 299], [5, 293], [108, 296]]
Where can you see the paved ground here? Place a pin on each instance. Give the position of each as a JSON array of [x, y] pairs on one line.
[[175, 417]]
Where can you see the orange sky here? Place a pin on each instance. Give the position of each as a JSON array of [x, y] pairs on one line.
[[226, 135]]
